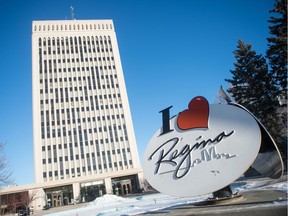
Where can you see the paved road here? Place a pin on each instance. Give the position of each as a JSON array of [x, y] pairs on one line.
[[250, 203], [253, 203]]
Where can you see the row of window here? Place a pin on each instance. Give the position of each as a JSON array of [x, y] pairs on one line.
[[65, 146], [83, 78], [81, 99], [61, 27], [84, 40], [94, 105], [68, 60], [52, 133], [78, 88], [76, 46], [93, 78], [69, 121], [96, 142], [75, 50], [57, 133], [66, 158], [89, 119], [84, 169], [72, 69], [72, 111], [90, 87], [85, 82], [79, 140], [72, 115]]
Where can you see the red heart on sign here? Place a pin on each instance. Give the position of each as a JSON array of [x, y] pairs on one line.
[[196, 116]]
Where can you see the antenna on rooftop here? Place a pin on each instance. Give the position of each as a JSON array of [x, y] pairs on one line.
[[72, 12]]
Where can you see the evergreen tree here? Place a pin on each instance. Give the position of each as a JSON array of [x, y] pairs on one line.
[[262, 89], [252, 86], [277, 56], [277, 48]]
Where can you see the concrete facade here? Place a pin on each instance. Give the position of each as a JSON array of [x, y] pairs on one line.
[[81, 117]]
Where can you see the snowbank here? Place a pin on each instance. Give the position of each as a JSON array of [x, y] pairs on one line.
[[264, 184], [106, 199]]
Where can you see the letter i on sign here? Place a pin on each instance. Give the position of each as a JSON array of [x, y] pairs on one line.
[[166, 120]]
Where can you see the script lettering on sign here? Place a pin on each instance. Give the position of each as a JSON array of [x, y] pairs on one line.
[[184, 155]]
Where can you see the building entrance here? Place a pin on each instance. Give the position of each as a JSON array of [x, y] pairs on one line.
[[91, 190], [59, 196], [57, 199], [125, 185]]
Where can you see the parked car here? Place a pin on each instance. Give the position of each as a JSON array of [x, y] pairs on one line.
[[22, 212], [46, 207]]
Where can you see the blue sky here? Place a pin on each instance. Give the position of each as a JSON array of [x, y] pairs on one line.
[[171, 51]]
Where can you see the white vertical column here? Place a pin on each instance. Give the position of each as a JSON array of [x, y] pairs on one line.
[[76, 191], [108, 185]]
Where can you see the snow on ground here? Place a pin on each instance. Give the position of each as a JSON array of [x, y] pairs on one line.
[[106, 199], [115, 205], [261, 184]]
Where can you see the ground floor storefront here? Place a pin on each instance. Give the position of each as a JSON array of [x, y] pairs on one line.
[[59, 196], [70, 193], [81, 192], [14, 202]]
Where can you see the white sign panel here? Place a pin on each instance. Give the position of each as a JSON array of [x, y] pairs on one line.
[[202, 149]]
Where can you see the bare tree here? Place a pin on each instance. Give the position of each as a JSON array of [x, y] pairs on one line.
[[27, 198], [5, 172], [11, 203]]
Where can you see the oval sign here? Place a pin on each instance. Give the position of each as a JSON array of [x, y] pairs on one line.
[[201, 158]]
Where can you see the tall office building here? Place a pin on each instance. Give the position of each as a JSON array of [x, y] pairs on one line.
[[84, 142]]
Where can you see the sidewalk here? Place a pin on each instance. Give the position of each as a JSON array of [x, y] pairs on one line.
[[59, 209], [254, 203]]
